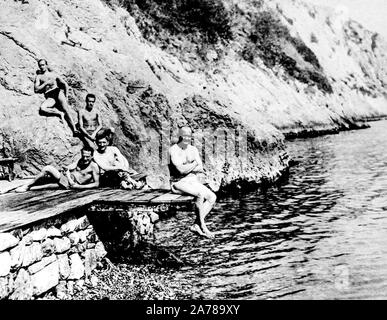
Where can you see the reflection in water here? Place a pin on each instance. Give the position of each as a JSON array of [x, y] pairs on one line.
[[321, 233]]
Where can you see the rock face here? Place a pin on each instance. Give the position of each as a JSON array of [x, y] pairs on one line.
[[149, 79]]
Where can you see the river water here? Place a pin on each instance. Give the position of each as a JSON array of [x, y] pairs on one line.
[[321, 233]]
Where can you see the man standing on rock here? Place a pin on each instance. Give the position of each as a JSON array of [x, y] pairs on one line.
[[89, 122], [185, 168], [83, 174], [55, 91]]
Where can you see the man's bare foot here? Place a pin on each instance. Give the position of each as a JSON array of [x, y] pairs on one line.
[[145, 187], [196, 229], [22, 189], [207, 232]]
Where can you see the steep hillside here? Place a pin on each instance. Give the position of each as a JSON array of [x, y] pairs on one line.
[[263, 69]]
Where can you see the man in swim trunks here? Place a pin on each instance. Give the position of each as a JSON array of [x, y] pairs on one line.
[[185, 169], [83, 174], [115, 171], [89, 122], [55, 91]]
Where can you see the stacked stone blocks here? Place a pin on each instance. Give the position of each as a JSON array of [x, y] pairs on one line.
[[51, 255]]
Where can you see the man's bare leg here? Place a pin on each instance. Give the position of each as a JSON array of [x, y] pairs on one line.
[[209, 199], [47, 109], [87, 142], [47, 170], [62, 102], [195, 189]]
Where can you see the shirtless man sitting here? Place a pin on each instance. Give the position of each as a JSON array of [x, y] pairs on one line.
[[89, 122], [115, 170], [83, 174], [55, 91], [185, 168]]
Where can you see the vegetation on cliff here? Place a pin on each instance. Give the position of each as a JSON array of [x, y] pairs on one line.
[[266, 67], [215, 22], [209, 18]]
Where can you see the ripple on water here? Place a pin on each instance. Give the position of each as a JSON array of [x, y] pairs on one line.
[[320, 234]]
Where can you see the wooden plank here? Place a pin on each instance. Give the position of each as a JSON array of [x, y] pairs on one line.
[[146, 198], [59, 208], [166, 198], [186, 198], [43, 200], [127, 198], [16, 196], [6, 217], [16, 200], [20, 209], [125, 195], [107, 193], [46, 199]]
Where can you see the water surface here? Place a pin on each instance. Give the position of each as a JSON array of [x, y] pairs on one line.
[[319, 234]]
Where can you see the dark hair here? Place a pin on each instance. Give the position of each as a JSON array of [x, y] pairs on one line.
[[90, 95], [87, 148], [48, 68], [104, 133]]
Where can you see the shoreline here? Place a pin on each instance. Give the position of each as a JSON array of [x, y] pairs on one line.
[[312, 133], [160, 285], [147, 278]]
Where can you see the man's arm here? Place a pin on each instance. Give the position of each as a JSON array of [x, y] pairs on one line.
[[178, 163], [122, 161], [198, 159], [38, 88], [95, 184], [99, 126]]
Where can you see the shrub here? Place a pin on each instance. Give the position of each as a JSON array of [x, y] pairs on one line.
[[266, 40], [185, 16]]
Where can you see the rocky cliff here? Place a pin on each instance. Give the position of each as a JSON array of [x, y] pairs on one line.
[[261, 70]]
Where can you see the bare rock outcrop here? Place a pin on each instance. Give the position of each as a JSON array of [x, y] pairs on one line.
[[149, 81]]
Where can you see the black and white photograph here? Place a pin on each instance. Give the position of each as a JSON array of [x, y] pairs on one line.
[[193, 150]]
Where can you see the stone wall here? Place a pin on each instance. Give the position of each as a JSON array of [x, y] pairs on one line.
[[124, 228], [56, 255], [59, 254]]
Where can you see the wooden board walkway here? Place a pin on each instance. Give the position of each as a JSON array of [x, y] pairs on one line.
[[20, 209]]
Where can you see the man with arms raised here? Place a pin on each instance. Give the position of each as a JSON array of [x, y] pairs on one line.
[[185, 168], [83, 174], [89, 122], [55, 91]]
